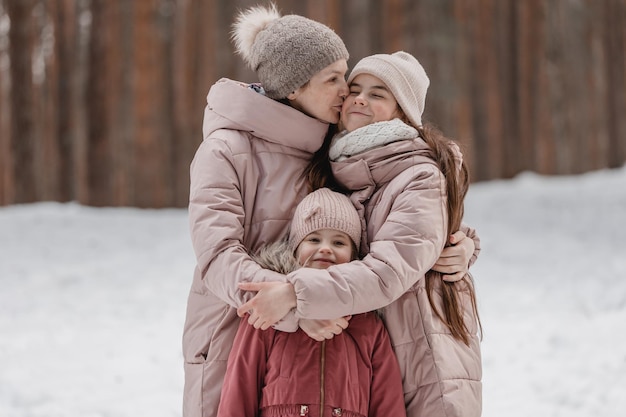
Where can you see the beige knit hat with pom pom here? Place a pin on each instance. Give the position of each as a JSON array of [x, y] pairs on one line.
[[284, 51]]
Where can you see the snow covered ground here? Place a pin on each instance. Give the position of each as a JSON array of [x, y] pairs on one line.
[[92, 302]]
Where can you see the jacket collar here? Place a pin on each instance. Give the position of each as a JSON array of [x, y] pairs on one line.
[[233, 105], [390, 150]]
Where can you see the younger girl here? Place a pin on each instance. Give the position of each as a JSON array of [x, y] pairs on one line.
[[273, 373], [408, 183]]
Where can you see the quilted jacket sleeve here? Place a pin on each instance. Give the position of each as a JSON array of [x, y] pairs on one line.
[[217, 218], [405, 245]]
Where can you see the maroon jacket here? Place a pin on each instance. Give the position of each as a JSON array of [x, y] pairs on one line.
[[278, 374]]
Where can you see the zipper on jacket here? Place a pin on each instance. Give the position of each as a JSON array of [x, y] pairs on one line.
[[304, 410], [322, 372]]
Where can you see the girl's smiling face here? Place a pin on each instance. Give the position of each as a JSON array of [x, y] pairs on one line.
[[324, 248], [369, 101]]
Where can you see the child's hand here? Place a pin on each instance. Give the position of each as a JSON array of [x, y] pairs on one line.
[[454, 260], [324, 329], [271, 303]]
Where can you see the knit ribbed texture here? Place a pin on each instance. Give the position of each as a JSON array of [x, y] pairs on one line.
[[347, 144], [403, 75], [285, 52], [325, 209]]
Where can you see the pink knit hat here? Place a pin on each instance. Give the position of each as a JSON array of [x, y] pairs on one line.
[[325, 209]]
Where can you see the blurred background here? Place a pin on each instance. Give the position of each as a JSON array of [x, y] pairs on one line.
[[101, 101]]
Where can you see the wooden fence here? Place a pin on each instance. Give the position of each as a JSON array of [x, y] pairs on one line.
[[101, 101]]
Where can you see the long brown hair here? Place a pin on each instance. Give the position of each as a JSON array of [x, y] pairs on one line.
[[319, 173], [457, 184]]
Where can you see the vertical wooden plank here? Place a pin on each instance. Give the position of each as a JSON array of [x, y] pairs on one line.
[[615, 46], [22, 139], [333, 19], [186, 54], [423, 16], [542, 98], [151, 113], [79, 99], [47, 155], [101, 100], [596, 108], [439, 33], [358, 35], [489, 87], [474, 53], [6, 173], [573, 150], [121, 81], [326, 12], [409, 23], [588, 156], [392, 26], [548, 160], [374, 22], [507, 42], [286, 7], [65, 34], [451, 101], [529, 40], [552, 147], [478, 53], [229, 64]]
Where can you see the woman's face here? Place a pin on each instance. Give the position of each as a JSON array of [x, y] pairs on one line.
[[323, 95], [369, 101]]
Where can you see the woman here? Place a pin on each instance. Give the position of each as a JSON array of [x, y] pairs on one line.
[[247, 178]]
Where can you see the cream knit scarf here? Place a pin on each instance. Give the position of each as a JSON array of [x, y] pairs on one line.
[[347, 144]]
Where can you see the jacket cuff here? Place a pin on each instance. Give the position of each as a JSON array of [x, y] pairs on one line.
[[289, 323]]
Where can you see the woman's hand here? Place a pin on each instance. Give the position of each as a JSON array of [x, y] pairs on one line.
[[454, 260], [324, 329], [271, 303]]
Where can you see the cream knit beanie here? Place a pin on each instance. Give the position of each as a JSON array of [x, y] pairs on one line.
[[285, 52], [403, 75], [325, 209]]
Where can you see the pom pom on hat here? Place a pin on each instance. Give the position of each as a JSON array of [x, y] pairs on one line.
[[325, 209], [284, 51], [246, 28]]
